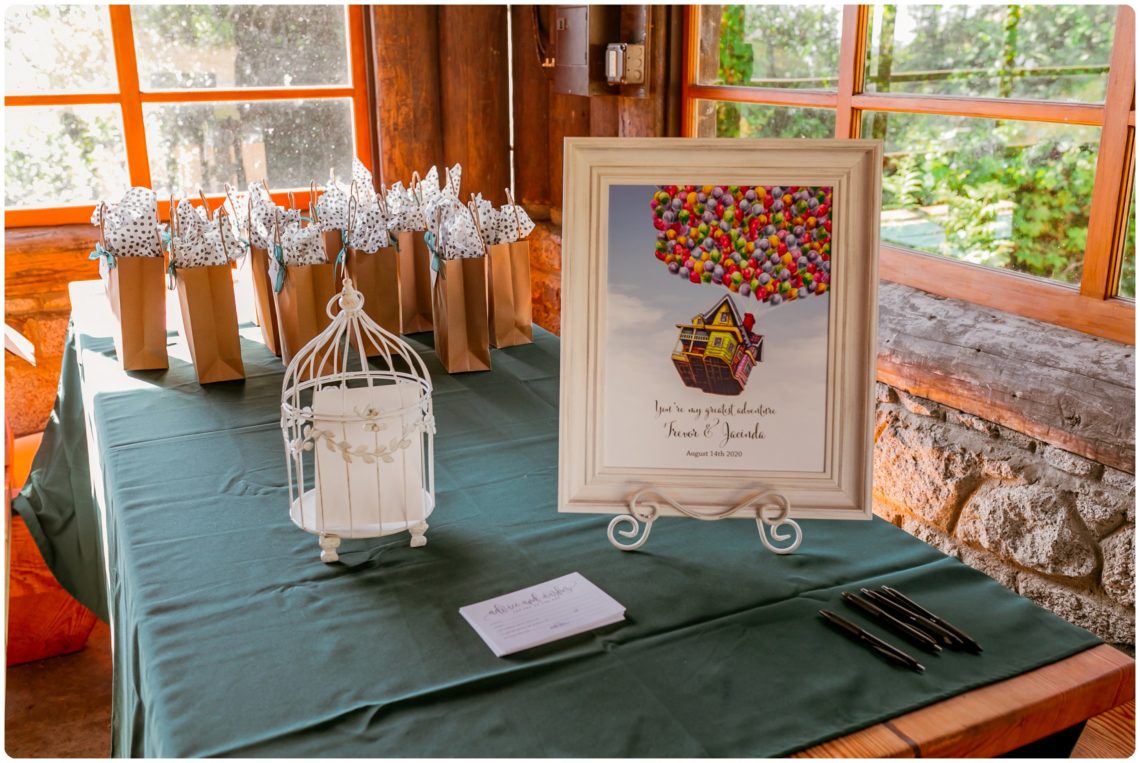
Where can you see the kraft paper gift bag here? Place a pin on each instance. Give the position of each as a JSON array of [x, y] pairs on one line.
[[415, 282], [508, 298], [459, 294], [138, 299], [370, 259], [201, 250], [263, 303], [302, 304], [130, 259], [409, 209], [376, 276], [459, 304], [263, 218], [508, 269], [303, 282], [209, 321]]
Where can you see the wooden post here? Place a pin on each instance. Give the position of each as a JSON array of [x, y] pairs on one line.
[[473, 93], [409, 122], [532, 116]]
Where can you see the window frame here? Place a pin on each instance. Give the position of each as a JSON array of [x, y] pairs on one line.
[[1093, 306], [130, 97]]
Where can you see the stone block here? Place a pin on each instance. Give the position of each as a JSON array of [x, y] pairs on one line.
[[1070, 462], [48, 332], [1100, 614], [913, 469], [1031, 525], [1101, 509], [546, 301], [1119, 574], [546, 248], [885, 394], [930, 536], [970, 421], [983, 561], [1118, 480], [29, 393], [889, 512], [1017, 439], [20, 306], [920, 406], [60, 301]]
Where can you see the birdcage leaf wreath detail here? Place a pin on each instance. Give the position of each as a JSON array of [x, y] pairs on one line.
[[311, 435]]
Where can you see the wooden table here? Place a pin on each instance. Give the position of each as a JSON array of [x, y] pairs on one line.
[[1046, 707]]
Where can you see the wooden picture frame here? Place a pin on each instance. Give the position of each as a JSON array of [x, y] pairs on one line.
[[596, 469]]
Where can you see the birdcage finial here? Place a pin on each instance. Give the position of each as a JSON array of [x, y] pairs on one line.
[[351, 301]]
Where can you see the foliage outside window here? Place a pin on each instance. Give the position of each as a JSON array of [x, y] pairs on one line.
[[1003, 192], [192, 121]]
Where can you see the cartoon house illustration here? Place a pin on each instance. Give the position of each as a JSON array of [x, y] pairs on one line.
[[717, 351]]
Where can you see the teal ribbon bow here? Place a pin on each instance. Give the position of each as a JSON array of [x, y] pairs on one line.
[[279, 255], [429, 239], [340, 256], [101, 251]]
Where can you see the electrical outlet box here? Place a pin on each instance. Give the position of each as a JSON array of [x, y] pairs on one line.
[[625, 64]]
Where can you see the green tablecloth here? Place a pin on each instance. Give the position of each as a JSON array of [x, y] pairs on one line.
[[231, 638]]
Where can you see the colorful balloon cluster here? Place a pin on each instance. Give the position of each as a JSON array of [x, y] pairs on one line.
[[770, 242]]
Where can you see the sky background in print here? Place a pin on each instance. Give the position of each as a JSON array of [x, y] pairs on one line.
[[642, 307]]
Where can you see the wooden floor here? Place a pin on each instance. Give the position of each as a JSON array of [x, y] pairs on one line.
[[61, 708], [1112, 735]]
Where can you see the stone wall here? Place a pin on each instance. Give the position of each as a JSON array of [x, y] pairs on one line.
[[38, 263], [1055, 527]]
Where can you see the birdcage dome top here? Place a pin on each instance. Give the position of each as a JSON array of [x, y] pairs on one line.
[[339, 356]]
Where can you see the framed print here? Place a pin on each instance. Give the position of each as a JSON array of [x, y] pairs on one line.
[[719, 311]]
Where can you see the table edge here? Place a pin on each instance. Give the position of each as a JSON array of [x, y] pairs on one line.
[[1001, 716]]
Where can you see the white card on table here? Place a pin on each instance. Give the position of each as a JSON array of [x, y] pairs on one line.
[[542, 613]]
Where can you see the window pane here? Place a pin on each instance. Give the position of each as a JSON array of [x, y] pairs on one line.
[[770, 46], [1005, 194], [1128, 267], [725, 119], [205, 145], [227, 46], [58, 48], [58, 155], [1057, 52]]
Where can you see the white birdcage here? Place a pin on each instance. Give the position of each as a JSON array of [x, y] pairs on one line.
[[359, 441]]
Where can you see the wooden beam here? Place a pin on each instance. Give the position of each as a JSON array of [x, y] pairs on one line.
[[988, 108], [60, 99], [1072, 391], [474, 96], [405, 39], [1016, 293], [531, 115], [127, 71], [819, 99], [852, 53], [1000, 717], [1115, 163], [641, 109]]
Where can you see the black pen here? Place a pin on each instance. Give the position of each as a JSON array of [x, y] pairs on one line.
[[909, 632], [913, 606], [872, 642], [936, 631]]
